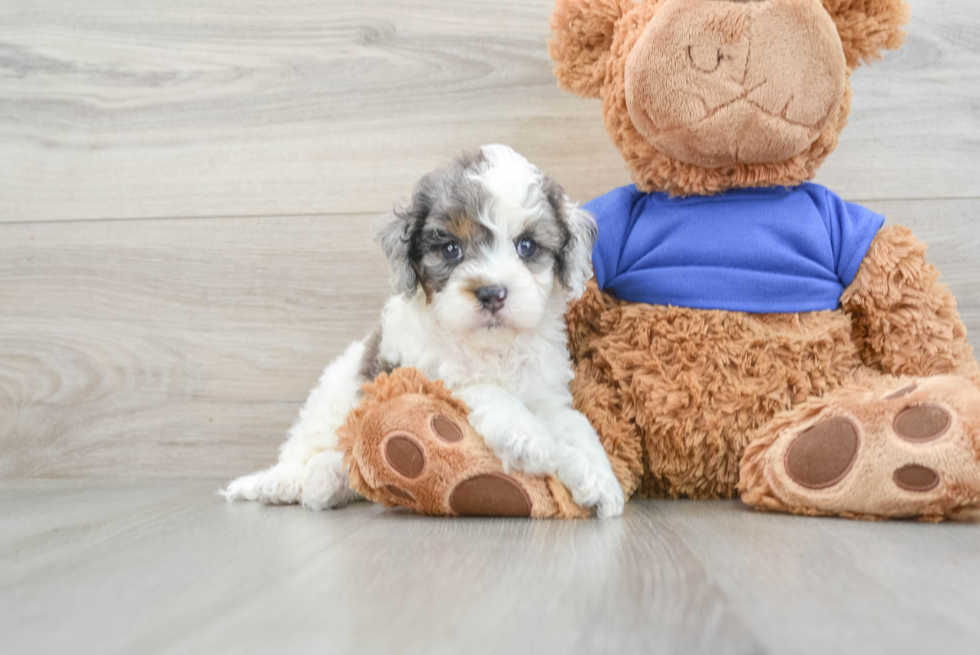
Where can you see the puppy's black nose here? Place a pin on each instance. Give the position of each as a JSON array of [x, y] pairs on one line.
[[491, 297]]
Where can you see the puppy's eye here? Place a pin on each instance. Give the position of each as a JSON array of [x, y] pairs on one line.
[[526, 248], [452, 251]]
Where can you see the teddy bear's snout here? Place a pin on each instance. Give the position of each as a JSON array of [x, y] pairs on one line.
[[721, 82]]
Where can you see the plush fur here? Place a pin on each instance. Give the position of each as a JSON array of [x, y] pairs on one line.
[[677, 394], [485, 258], [715, 404]]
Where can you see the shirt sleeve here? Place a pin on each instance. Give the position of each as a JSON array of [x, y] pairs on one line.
[[613, 212], [853, 228]]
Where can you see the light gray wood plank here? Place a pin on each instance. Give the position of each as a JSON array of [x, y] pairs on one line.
[[122, 109], [890, 587], [172, 348], [89, 568], [184, 348], [168, 567], [914, 130]]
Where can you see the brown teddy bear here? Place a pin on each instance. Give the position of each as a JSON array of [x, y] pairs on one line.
[[748, 332]]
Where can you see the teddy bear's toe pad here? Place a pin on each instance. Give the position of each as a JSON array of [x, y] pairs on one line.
[[405, 455], [821, 456], [910, 452], [446, 429], [922, 422], [915, 477], [490, 494], [400, 493]]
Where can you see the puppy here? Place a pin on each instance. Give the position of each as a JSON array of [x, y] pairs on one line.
[[485, 260]]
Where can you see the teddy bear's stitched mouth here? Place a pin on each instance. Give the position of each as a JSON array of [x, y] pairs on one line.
[[744, 96], [685, 142]]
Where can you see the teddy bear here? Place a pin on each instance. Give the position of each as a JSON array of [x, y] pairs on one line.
[[747, 334]]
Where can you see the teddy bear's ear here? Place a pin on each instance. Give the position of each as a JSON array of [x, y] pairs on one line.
[[582, 34], [867, 27]]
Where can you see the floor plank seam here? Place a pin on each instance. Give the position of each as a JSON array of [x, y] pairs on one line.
[[378, 213]]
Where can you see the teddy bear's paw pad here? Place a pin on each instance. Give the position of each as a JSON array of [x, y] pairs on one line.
[[490, 494], [907, 452], [417, 461], [446, 429], [405, 455], [915, 477], [822, 455], [400, 493], [921, 423]]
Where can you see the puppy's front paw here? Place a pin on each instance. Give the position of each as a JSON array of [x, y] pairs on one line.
[[279, 485], [325, 484], [524, 446], [611, 499], [592, 485]]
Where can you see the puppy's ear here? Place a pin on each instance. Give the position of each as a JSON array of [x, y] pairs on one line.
[[573, 261], [582, 34], [400, 239], [867, 27]]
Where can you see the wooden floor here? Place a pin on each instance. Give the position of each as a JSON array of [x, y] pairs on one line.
[[188, 196], [168, 567]]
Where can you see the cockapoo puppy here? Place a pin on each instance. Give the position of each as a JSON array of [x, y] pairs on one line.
[[485, 259]]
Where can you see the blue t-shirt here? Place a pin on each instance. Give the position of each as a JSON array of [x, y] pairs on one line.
[[752, 250]]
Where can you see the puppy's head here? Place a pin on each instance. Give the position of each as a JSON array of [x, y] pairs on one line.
[[491, 242]]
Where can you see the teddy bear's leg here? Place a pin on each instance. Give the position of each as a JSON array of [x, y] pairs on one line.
[[409, 443], [905, 320], [897, 442], [890, 448]]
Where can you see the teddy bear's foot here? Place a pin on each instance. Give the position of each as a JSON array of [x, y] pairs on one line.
[[409, 443], [911, 450]]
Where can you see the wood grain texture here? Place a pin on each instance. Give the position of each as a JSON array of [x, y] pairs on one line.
[[179, 347], [136, 109], [184, 348], [146, 567]]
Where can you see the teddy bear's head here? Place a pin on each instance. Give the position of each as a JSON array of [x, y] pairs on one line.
[[706, 95]]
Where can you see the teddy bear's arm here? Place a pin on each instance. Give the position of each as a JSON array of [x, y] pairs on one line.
[[905, 320]]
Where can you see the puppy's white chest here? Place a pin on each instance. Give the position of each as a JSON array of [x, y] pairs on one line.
[[504, 370]]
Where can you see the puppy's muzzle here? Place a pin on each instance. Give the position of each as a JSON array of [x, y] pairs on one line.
[[491, 297]]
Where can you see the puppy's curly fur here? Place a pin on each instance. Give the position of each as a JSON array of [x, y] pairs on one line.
[[485, 258]]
